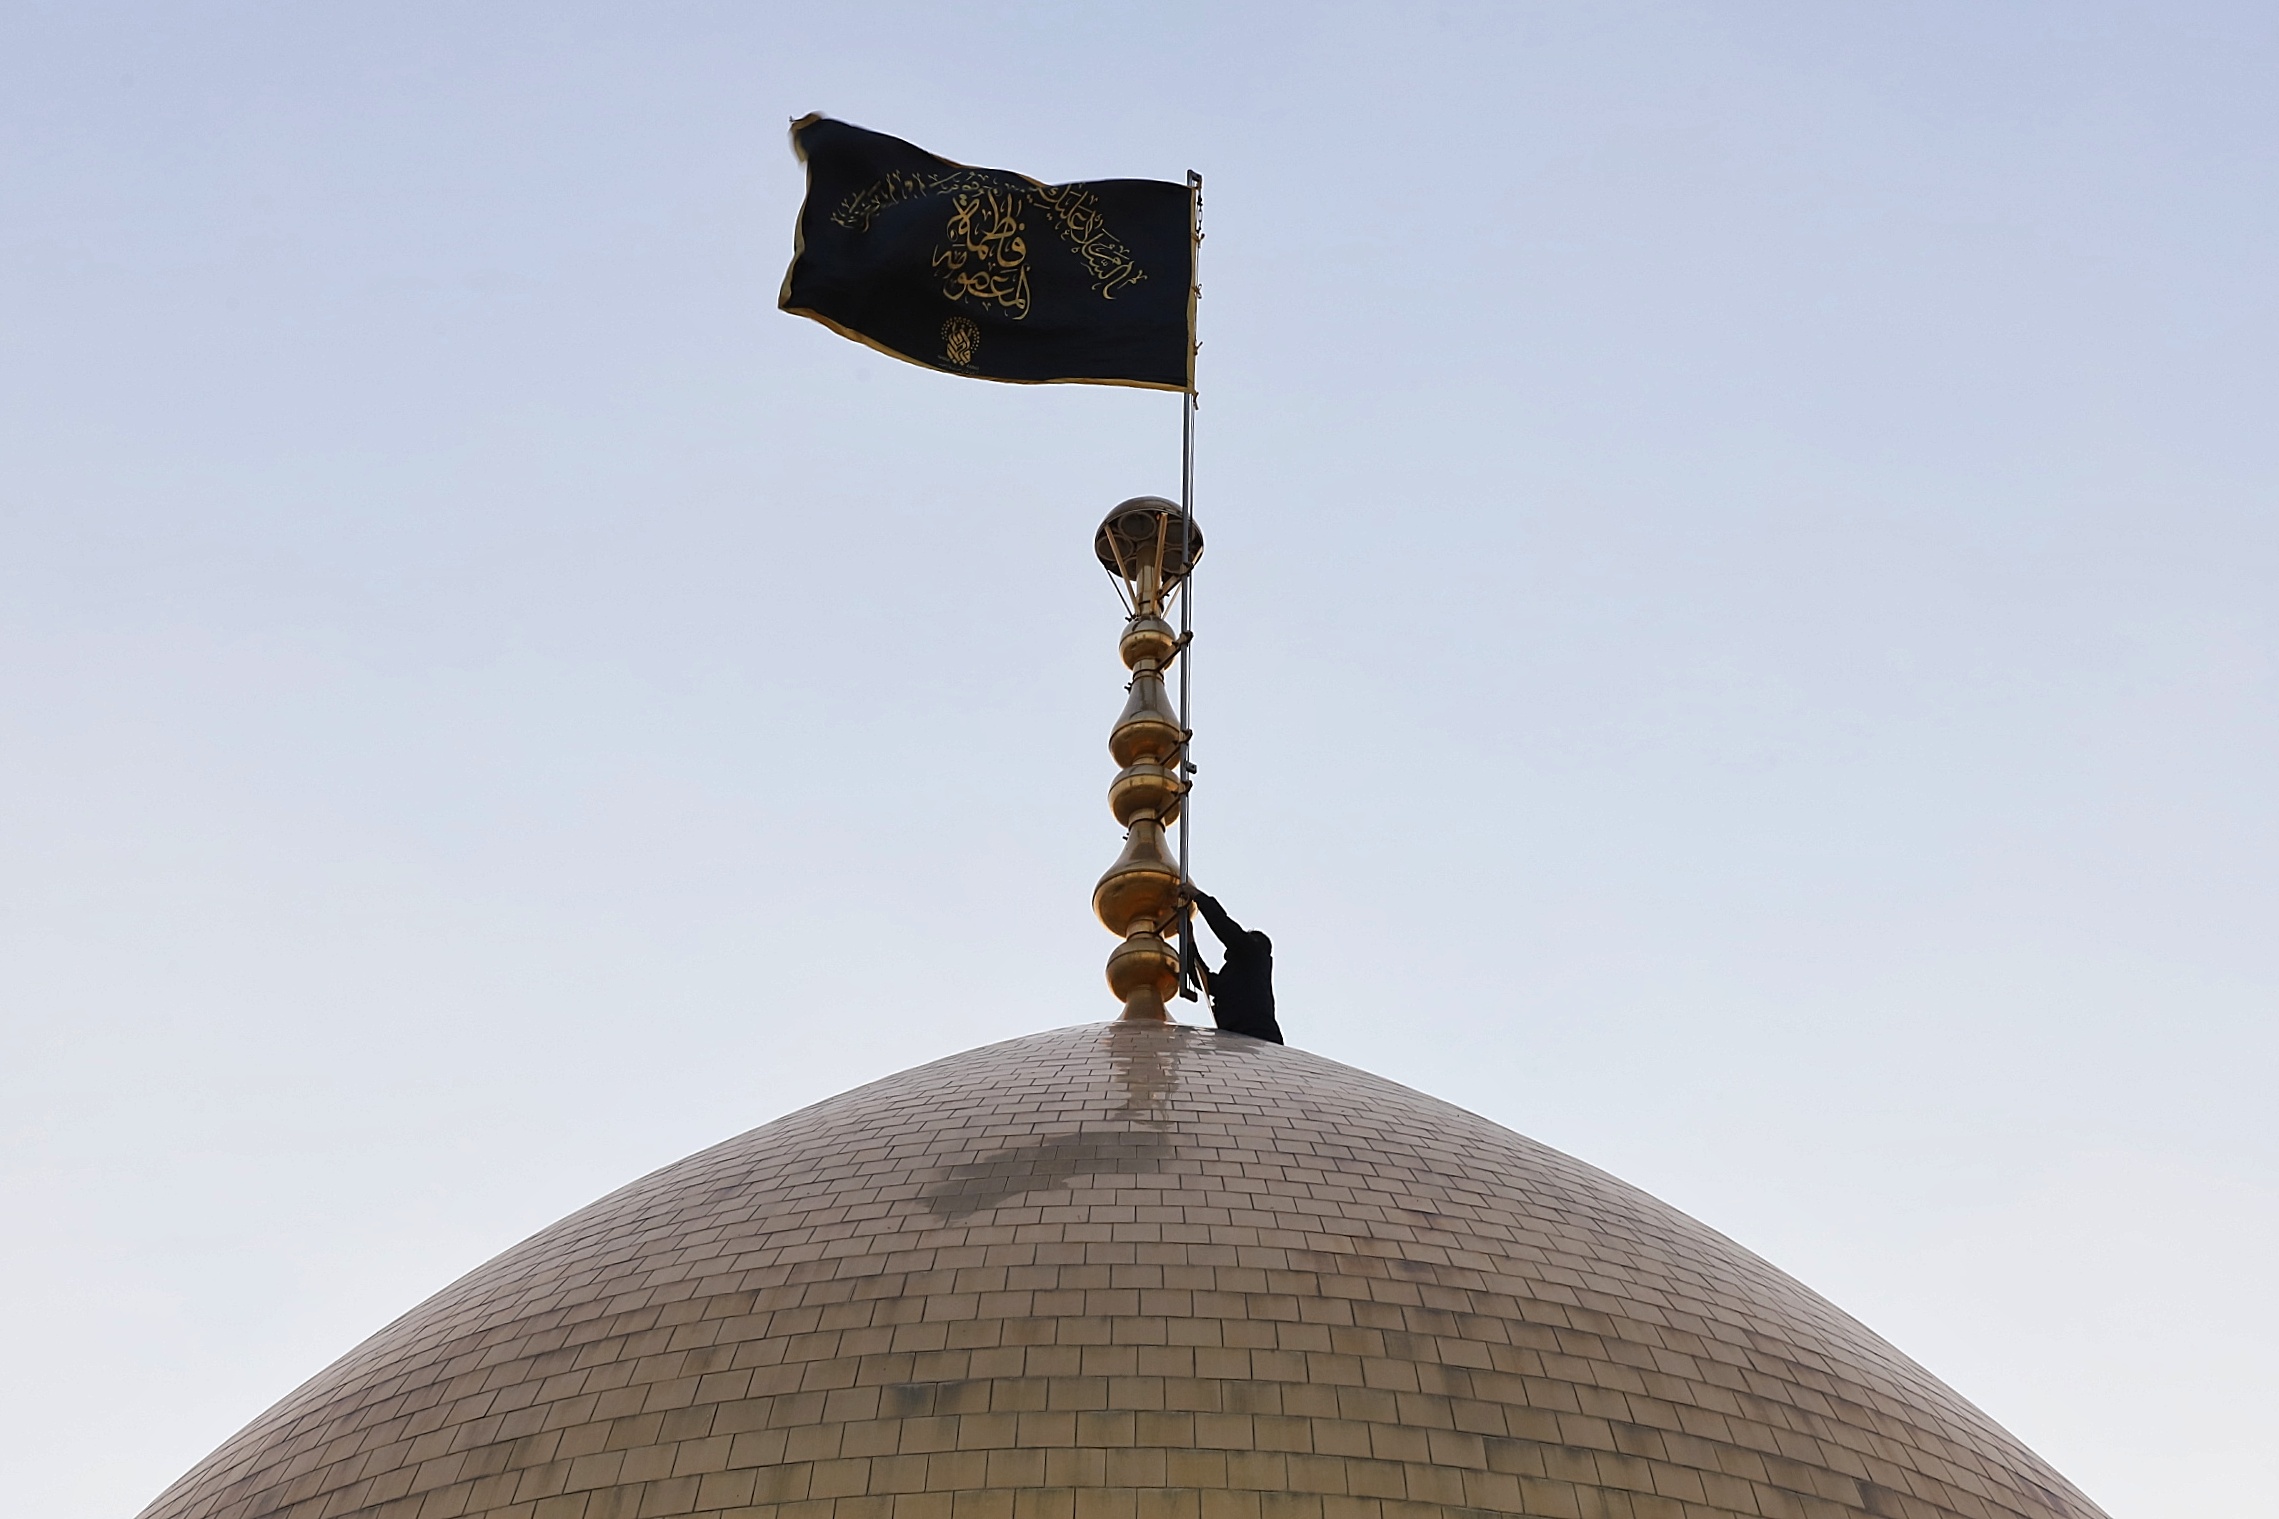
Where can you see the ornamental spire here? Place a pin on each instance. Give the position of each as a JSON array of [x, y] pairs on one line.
[[1148, 546]]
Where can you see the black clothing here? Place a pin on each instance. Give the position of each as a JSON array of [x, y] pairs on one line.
[[1242, 990]]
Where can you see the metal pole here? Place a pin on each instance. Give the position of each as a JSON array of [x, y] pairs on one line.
[[1187, 590]]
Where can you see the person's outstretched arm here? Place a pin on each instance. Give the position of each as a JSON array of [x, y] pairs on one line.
[[1228, 930]]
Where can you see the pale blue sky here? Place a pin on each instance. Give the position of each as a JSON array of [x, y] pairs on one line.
[[1739, 640]]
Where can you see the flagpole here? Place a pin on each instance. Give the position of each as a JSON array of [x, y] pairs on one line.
[[1187, 591]]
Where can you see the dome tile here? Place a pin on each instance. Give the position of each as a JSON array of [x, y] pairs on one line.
[[1124, 1272]]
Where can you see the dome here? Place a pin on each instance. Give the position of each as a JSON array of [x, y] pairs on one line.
[[1124, 1271]]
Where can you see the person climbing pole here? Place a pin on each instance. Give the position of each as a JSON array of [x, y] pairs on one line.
[[1242, 989]]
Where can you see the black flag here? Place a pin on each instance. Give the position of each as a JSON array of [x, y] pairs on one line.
[[986, 273]]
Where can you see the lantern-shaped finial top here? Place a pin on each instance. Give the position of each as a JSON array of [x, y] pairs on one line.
[[1149, 545]]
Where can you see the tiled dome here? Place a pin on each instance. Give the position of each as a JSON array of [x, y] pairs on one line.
[[1124, 1272]]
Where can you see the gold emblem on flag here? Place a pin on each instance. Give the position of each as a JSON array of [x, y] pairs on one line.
[[960, 337]]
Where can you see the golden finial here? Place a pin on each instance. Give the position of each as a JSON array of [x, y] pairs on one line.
[[1149, 548]]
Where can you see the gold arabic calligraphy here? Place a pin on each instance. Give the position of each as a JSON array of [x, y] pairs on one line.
[[984, 256]]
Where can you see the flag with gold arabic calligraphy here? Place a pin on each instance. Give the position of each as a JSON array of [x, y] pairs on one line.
[[987, 273]]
